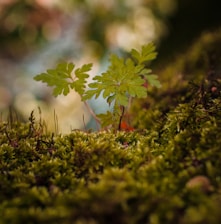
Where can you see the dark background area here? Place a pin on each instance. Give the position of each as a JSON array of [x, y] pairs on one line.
[[190, 20]]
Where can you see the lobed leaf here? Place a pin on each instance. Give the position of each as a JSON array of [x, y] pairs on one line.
[[111, 98], [61, 78], [106, 119], [153, 80], [81, 73], [147, 53]]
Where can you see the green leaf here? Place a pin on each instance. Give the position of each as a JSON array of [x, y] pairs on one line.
[[147, 53], [70, 67], [81, 74], [106, 119], [110, 99], [60, 86], [121, 100], [61, 78], [153, 80], [123, 78], [146, 71]]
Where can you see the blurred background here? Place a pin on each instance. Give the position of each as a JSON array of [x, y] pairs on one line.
[[37, 34]]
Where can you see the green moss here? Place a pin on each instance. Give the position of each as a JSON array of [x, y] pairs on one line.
[[165, 171], [123, 177]]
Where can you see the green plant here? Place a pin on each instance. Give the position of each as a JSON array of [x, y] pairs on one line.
[[123, 80]]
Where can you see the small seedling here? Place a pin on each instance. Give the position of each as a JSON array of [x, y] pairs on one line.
[[124, 79]]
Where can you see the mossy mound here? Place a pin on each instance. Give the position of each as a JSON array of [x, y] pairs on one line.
[[170, 175], [165, 171]]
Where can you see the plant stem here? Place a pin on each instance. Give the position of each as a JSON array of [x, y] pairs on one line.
[[121, 117], [92, 113]]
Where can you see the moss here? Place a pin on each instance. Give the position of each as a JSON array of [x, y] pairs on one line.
[[165, 171], [123, 177]]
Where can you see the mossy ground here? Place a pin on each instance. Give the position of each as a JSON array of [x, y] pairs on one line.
[[165, 171]]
